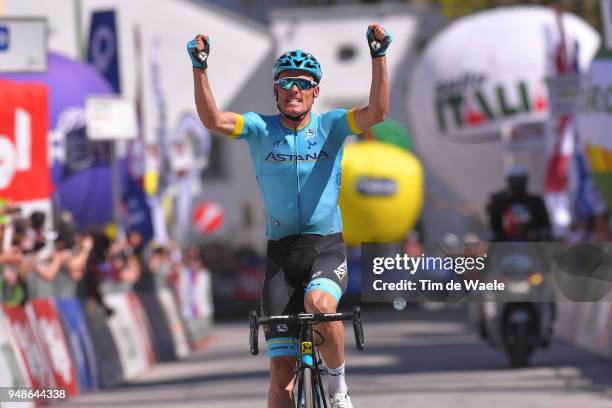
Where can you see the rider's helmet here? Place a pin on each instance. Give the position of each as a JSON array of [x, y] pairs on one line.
[[517, 179], [300, 60]]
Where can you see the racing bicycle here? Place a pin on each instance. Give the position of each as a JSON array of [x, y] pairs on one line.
[[310, 390]]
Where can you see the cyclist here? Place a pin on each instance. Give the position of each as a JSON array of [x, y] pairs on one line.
[[296, 156]]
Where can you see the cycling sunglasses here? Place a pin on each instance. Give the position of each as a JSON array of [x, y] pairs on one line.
[[302, 83]]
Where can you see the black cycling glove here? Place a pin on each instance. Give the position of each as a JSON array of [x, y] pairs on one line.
[[378, 48], [199, 58]]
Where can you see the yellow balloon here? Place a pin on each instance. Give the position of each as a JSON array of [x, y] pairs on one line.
[[381, 195]]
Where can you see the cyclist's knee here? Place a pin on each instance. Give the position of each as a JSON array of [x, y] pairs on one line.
[[319, 301], [282, 372]]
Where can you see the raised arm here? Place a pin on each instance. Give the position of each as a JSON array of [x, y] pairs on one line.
[[378, 104], [211, 117]]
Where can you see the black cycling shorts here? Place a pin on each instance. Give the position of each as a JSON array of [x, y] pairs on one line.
[[296, 265]]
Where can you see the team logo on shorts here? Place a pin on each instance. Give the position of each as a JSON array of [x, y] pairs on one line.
[[341, 271], [282, 328]]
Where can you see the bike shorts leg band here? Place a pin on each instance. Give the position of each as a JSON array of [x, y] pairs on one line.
[[281, 346], [326, 285]]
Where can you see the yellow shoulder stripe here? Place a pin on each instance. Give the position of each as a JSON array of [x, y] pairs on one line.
[[238, 127], [350, 117]]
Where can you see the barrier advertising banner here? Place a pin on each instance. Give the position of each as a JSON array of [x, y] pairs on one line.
[[110, 368], [38, 366], [163, 342], [81, 345], [177, 328], [124, 330], [44, 318], [142, 327], [12, 369]]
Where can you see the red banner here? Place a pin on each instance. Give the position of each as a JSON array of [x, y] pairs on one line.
[[46, 322], [24, 120], [30, 348]]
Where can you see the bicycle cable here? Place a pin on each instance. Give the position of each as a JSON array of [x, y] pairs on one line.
[[320, 335]]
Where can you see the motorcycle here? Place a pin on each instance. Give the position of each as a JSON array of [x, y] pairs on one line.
[[519, 319]]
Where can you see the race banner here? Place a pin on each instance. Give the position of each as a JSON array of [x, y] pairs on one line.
[[123, 327], [12, 369], [24, 166], [44, 318], [38, 366], [81, 344], [110, 369], [177, 327], [163, 343], [142, 327], [103, 48]]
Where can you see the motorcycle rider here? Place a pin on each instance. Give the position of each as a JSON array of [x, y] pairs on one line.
[[516, 215]]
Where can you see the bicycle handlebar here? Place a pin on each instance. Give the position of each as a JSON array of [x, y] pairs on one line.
[[305, 318]]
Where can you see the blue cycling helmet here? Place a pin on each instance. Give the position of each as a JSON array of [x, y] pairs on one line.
[[300, 60]]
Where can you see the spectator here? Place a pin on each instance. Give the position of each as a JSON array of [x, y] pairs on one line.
[[146, 280], [37, 225], [12, 291], [124, 267], [73, 270], [161, 266], [97, 269]]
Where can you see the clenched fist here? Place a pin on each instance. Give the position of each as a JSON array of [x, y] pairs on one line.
[[199, 49], [378, 40]]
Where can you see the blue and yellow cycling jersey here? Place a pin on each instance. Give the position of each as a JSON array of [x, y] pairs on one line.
[[298, 170]]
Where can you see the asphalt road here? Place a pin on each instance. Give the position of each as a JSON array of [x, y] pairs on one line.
[[413, 358]]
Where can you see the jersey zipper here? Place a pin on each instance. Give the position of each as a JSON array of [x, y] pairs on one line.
[[297, 180]]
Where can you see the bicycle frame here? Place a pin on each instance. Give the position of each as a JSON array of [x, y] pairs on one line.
[[308, 356], [309, 360]]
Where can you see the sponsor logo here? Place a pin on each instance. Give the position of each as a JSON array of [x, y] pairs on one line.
[[306, 347], [317, 273], [279, 348], [282, 328], [470, 101], [375, 45], [341, 271], [310, 133], [280, 157], [4, 38], [376, 186], [311, 144]]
